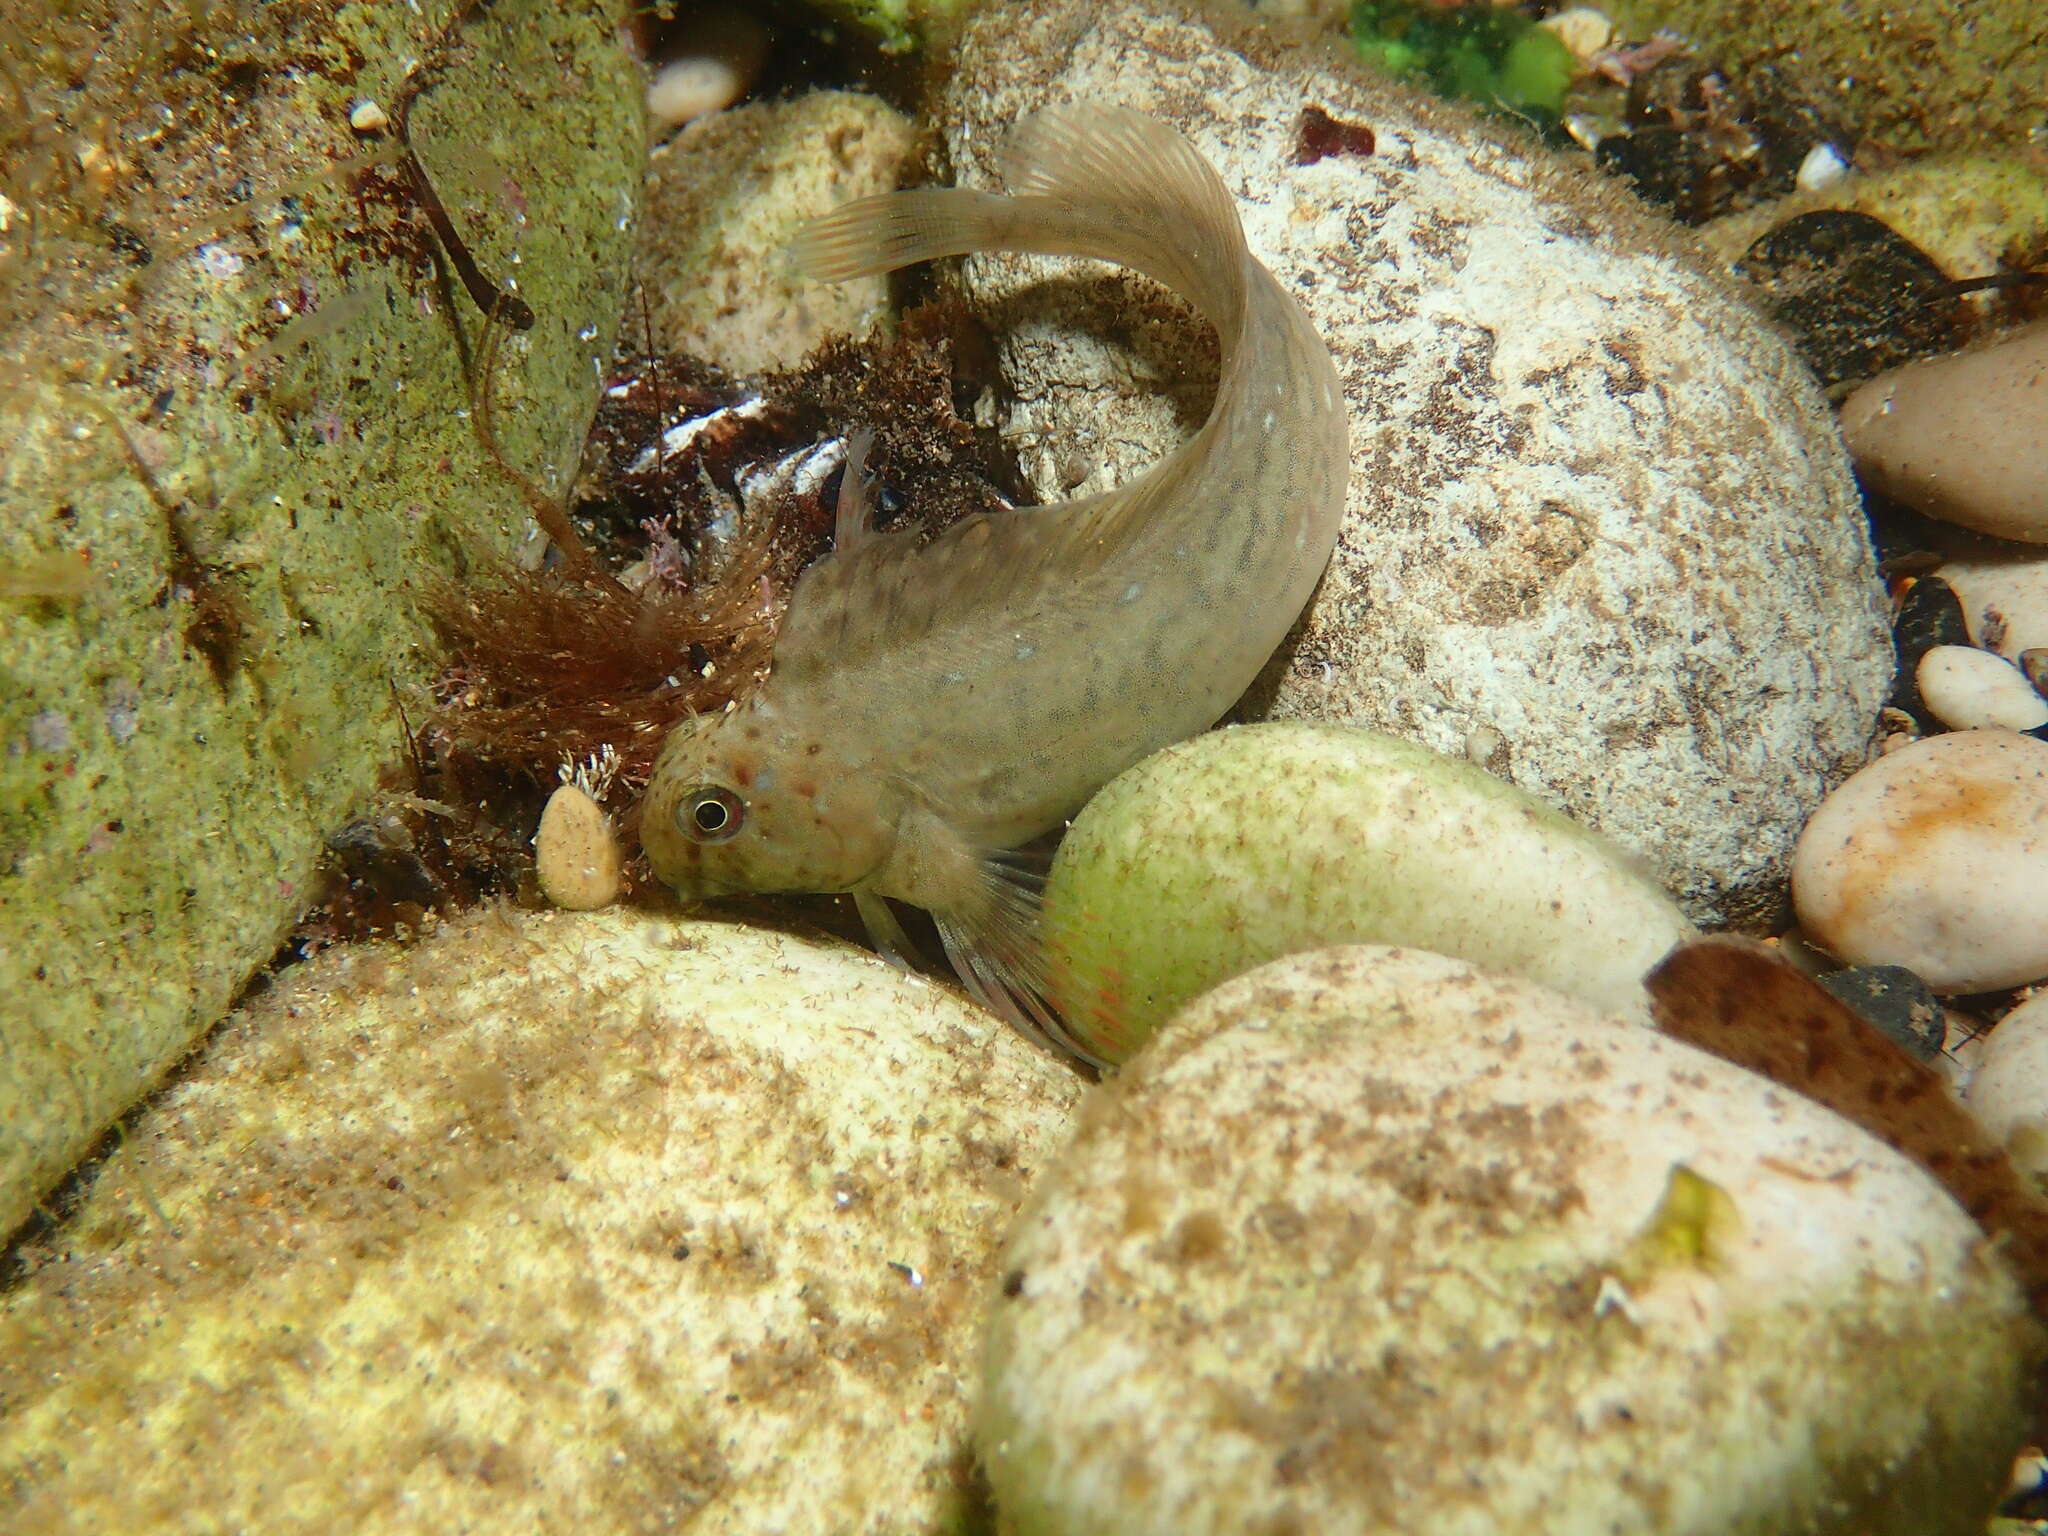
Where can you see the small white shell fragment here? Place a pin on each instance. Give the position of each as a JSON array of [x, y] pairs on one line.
[[1935, 857], [1963, 438], [366, 116], [1373, 1240], [1580, 28], [575, 852], [2009, 1091], [685, 89], [1822, 168], [1968, 689]]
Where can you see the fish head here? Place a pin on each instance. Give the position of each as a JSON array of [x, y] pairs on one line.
[[744, 801]]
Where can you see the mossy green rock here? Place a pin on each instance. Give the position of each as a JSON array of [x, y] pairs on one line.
[[1371, 1240], [238, 444], [1246, 844], [609, 1223]]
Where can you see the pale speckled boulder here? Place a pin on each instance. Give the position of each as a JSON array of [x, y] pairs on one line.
[[598, 1222], [1601, 531], [247, 300], [1370, 1240]]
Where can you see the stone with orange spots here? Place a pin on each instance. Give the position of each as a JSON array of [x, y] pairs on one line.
[[1935, 857], [1373, 1240]]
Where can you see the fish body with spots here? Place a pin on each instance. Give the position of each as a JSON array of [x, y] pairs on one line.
[[931, 708]]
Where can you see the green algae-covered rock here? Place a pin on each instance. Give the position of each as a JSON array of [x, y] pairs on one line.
[[1242, 845], [1918, 74], [1370, 1240], [237, 441], [607, 1223]]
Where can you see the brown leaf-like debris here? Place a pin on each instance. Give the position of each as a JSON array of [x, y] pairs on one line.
[[1749, 1005]]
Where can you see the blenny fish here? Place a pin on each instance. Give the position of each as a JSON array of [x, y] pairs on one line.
[[931, 708]]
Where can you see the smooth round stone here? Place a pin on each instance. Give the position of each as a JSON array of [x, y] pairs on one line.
[[1935, 857], [1246, 844], [2009, 1090], [1371, 1240], [596, 1222], [1963, 438], [575, 852], [1968, 689]]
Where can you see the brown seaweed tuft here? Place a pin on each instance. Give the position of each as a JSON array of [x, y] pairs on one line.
[[550, 668]]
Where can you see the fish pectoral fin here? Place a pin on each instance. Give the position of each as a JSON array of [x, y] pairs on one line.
[[985, 902], [853, 521], [884, 931], [995, 948]]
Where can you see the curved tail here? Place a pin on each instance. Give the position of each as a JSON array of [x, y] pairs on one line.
[[1099, 181]]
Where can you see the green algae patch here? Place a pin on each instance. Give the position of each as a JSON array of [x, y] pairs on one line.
[[1917, 74], [238, 443], [1243, 845]]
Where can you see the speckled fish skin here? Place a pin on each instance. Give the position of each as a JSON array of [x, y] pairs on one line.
[[930, 706]]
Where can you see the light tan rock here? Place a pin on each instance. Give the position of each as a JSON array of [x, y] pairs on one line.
[[1934, 857], [1548, 536], [2008, 1091], [725, 197], [609, 1222], [2004, 593], [1963, 438], [1369, 1240]]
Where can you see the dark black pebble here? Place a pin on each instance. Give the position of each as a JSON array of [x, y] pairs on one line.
[[1930, 614], [1857, 296], [1896, 1001]]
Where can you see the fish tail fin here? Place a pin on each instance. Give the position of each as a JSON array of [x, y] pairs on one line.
[[880, 234], [1089, 180]]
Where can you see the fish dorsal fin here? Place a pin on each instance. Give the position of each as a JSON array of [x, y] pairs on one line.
[[890, 591], [853, 522]]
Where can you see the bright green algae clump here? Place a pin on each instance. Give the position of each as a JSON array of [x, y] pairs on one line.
[[1498, 58]]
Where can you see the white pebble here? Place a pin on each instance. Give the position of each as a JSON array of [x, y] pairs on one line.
[[686, 89], [1935, 857], [575, 853], [367, 117], [1968, 689], [2009, 1092], [711, 62], [1822, 168]]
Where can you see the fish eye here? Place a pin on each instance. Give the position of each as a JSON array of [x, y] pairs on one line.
[[710, 813]]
